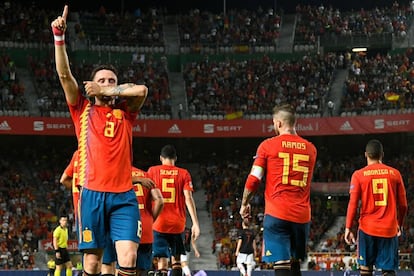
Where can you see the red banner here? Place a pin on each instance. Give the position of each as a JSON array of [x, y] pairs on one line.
[[220, 128]]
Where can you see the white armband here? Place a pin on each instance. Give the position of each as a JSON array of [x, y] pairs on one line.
[[257, 172]]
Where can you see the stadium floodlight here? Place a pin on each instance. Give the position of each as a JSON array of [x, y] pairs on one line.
[[359, 49]]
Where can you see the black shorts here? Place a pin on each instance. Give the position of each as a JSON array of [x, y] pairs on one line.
[[64, 257]]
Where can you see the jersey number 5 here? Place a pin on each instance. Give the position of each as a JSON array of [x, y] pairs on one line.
[[166, 188]]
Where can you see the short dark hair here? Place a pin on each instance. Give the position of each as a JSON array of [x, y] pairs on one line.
[[103, 67], [374, 149], [168, 151], [290, 117]]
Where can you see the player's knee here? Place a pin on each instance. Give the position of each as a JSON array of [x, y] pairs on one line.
[[388, 273]]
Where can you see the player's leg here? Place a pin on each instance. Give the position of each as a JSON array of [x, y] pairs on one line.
[[109, 258], [144, 258], [161, 251], [125, 229], [240, 263], [177, 249], [91, 230], [185, 264], [68, 263], [250, 264], [300, 234], [367, 253], [176, 269], [276, 244], [387, 258]]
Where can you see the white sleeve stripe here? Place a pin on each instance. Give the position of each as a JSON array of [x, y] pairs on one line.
[[257, 171]]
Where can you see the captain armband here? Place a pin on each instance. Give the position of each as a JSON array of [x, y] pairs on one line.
[[257, 171]]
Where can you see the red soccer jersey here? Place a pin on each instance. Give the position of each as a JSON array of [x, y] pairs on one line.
[[289, 161], [380, 189], [172, 181], [104, 146], [145, 207]]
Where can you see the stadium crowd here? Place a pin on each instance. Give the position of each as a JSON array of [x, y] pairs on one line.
[[221, 87], [31, 196]]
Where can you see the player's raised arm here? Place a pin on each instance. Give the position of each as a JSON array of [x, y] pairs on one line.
[[68, 82]]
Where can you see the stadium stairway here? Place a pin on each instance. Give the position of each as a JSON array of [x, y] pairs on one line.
[[332, 231], [29, 93], [336, 91], [285, 41], [207, 260], [171, 36], [178, 94]]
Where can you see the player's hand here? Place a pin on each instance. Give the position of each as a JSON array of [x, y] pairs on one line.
[[399, 233], [92, 89], [245, 211], [146, 182], [59, 24], [195, 232], [349, 237], [197, 253]]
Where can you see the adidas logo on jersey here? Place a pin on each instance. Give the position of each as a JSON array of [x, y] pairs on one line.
[[5, 126], [346, 126], [174, 129]]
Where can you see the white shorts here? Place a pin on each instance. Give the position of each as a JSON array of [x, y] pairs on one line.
[[247, 259]]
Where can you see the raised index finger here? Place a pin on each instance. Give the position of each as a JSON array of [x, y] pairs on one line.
[[65, 12]]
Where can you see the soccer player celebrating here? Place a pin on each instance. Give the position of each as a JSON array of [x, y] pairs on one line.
[[108, 204]]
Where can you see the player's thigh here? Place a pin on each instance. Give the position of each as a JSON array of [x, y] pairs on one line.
[[109, 255], [124, 217], [299, 240], [160, 245], [276, 239], [177, 245], [387, 258], [92, 231], [366, 249]]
